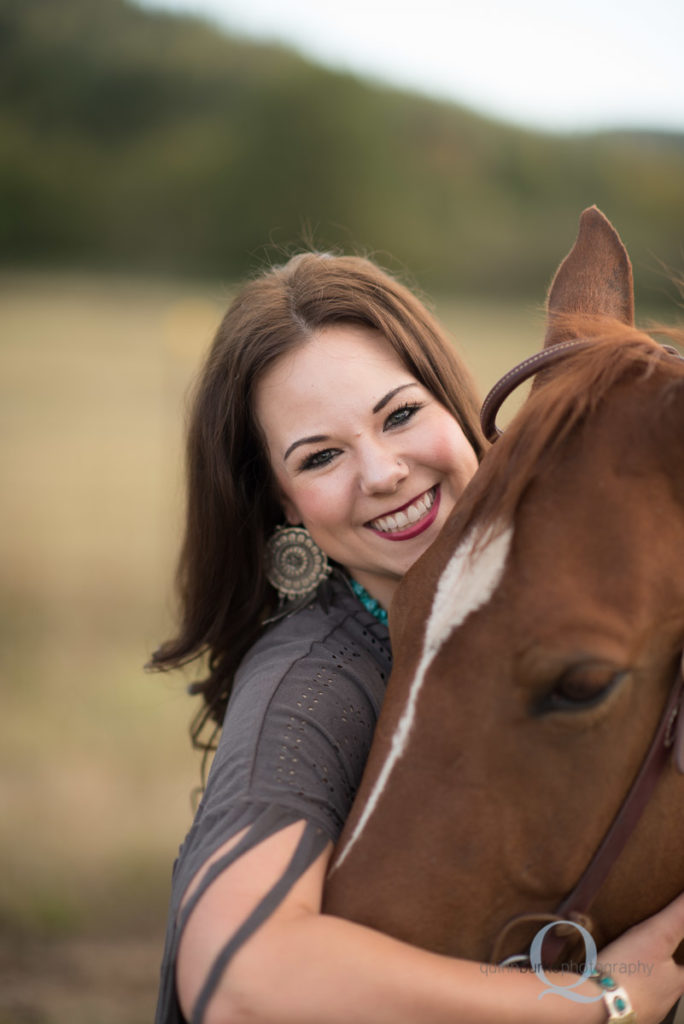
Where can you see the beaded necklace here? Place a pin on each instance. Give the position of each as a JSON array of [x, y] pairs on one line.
[[368, 602]]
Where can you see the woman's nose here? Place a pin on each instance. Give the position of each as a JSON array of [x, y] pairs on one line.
[[381, 470]]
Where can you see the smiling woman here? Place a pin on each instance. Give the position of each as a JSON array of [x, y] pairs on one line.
[[363, 455], [331, 399]]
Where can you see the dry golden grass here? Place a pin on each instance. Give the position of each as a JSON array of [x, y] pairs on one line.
[[96, 767]]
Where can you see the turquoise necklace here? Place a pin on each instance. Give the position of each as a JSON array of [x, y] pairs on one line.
[[368, 602]]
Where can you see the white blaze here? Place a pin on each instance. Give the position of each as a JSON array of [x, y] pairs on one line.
[[467, 583]]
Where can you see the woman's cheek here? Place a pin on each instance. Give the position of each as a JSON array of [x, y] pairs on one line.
[[453, 453], [322, 503], [442, 451]]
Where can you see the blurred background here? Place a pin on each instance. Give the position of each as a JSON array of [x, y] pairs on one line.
[[151, 155]]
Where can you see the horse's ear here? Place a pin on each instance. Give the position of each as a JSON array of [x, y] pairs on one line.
[[595, 278]]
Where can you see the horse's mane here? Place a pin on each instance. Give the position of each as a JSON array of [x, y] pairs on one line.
[[572, 391]]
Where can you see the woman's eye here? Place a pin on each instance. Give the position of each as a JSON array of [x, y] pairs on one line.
[[402, 415], [321, 458], [581, 688]]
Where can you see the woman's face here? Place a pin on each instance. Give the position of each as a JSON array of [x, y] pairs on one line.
[[363, 455]]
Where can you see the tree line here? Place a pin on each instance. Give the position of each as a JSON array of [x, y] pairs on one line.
[[146, 141]]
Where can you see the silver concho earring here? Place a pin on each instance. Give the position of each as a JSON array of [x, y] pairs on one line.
[[296, 564]]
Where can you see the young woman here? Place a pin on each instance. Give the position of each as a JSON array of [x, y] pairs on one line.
[[332, 433]]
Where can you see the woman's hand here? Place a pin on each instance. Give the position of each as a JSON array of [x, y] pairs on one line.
[[641, 960]]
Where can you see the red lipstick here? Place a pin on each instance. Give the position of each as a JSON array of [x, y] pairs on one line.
[[414, 529]]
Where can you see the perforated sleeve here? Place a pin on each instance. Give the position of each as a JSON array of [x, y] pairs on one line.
[[293, 747]]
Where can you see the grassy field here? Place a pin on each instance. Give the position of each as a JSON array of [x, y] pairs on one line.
[[97, 769]]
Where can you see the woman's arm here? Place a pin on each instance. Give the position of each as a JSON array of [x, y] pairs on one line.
[[303, 967]]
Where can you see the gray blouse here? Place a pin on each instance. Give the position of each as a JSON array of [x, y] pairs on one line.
[[294, 744]]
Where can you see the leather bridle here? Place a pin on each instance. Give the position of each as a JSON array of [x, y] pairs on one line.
[[668, 737]]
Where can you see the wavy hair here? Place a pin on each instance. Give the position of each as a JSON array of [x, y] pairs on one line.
[[232, 505]]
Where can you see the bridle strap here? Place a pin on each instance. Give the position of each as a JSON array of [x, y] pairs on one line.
[[510, 381], [528, 368], [669, 733]]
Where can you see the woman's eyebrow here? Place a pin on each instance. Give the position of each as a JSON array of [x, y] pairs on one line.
[[390, 395], [304, 440]]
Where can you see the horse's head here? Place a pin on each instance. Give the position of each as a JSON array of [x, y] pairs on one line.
[[535, 644]]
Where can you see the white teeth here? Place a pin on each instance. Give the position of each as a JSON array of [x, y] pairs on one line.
[[408, 516]]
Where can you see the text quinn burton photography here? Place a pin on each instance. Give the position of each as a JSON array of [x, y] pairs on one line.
[[629, 969]]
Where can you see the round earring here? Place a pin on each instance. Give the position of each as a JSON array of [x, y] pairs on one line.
[[296, 564]]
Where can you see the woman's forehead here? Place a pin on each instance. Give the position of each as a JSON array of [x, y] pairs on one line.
[[341, 371], [358, 357]]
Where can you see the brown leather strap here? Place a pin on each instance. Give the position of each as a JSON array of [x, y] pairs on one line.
[[533, 364], [669, 733], [678, 726], [510, 381]]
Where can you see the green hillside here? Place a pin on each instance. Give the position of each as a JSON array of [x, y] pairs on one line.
[[146, 141]]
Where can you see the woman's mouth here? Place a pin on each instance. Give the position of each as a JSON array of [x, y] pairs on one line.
[[411, 519]]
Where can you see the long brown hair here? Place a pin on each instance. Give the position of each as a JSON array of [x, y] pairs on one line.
[[232, 506]]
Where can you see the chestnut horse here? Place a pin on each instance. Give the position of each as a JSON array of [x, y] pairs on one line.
[[535, 646]]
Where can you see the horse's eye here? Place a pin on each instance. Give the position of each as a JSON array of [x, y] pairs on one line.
[[582, 687]]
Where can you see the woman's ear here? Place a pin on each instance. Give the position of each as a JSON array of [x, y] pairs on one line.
[[290, 509]]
